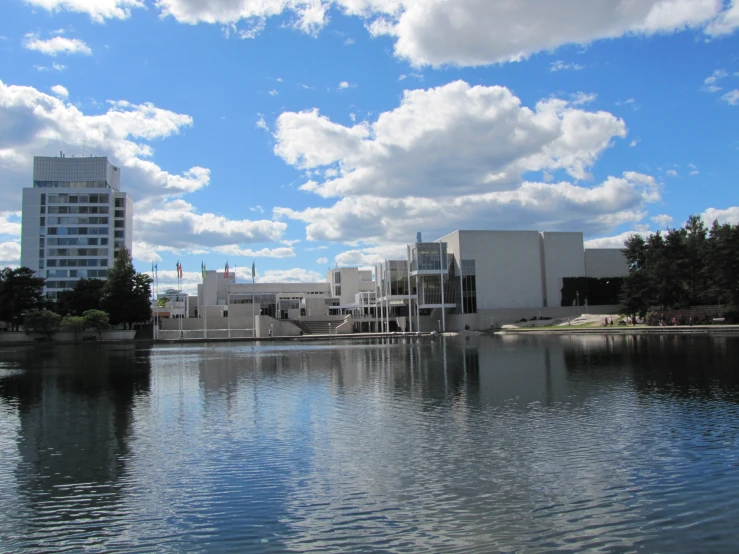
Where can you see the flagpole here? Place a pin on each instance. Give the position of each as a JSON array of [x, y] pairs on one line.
[[205, 306], [253, 313], [156, 288], [228, 300]]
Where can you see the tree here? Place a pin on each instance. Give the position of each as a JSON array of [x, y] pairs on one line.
[[96, 320], [684, 267], [85, 295], [73, 324], [126, 293], [723, 263], [20, 292], [41, 321]]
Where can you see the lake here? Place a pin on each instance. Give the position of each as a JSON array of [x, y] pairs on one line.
[[477, 444]]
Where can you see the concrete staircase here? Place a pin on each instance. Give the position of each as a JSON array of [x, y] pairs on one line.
[[316, 327]]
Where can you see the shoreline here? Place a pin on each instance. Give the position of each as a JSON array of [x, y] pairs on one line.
[[680, 330]]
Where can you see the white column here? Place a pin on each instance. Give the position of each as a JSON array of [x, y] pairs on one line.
[[461, 287], [441, 276], [410, 301]]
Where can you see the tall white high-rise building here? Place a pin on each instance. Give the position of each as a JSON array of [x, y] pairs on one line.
[[75, 219]]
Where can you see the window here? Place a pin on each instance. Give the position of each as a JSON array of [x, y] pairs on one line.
[[119, 213], [43, 222], [337, 277], [338, 291]]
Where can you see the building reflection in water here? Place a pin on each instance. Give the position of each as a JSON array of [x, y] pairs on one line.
[[73, 405]]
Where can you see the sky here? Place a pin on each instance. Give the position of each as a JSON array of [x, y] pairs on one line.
[[305, 134]]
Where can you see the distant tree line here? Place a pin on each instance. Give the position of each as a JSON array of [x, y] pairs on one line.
[[92, 304], [684, 267]]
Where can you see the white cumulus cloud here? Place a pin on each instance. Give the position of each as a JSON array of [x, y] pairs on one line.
[[728, 215], [662, 220], [33, 123], [731, 97], [459, 32], [10, 254], [98, 10], [59, 90], [453, 139], [56, 45], [455, 157], [296, 275], [617, 241]]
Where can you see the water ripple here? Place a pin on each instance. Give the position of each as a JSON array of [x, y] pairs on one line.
[[521, 444]]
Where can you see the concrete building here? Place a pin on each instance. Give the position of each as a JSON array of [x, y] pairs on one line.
[[75, 219], [489, 277], [467, 279]]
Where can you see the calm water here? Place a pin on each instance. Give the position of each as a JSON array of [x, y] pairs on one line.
[[487, 444]]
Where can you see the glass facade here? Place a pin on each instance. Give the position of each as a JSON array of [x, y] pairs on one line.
[[71, 184], [79, 199], [469, 287], [397, 276], [427, 256], [78, 210]]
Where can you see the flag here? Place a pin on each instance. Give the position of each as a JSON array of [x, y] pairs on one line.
[[225, 274], [253, 271], [179, 270], [202, 269]]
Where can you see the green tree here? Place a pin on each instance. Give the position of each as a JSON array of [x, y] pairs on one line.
[[688, 266], [96, 320], [695, 256], [723, 263], [126, 293], [73, 324], [636, 294], [20, 291], [41, 321], [85, 295]]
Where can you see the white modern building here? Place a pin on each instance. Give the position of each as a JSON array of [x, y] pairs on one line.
[[465, 280], [75, 219], [477, 278]]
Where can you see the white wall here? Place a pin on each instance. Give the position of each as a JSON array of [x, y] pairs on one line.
[[30, 225], [507, 266], [605, 262], [563, 257]]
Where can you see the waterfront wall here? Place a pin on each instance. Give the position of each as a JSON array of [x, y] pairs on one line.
[[485, 319], [113, 334]]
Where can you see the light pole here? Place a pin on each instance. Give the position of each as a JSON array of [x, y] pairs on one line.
[[577, 295]]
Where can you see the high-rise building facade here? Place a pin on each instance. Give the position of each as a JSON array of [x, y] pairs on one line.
[[75, 219]]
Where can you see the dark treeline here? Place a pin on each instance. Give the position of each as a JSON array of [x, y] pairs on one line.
[[124, 296], [685, 267]]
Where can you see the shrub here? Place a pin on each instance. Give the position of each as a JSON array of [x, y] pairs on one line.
[[41, 321], [73, 324], [96, 320]]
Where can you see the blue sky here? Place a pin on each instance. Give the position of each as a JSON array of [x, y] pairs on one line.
[[306, 133]]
